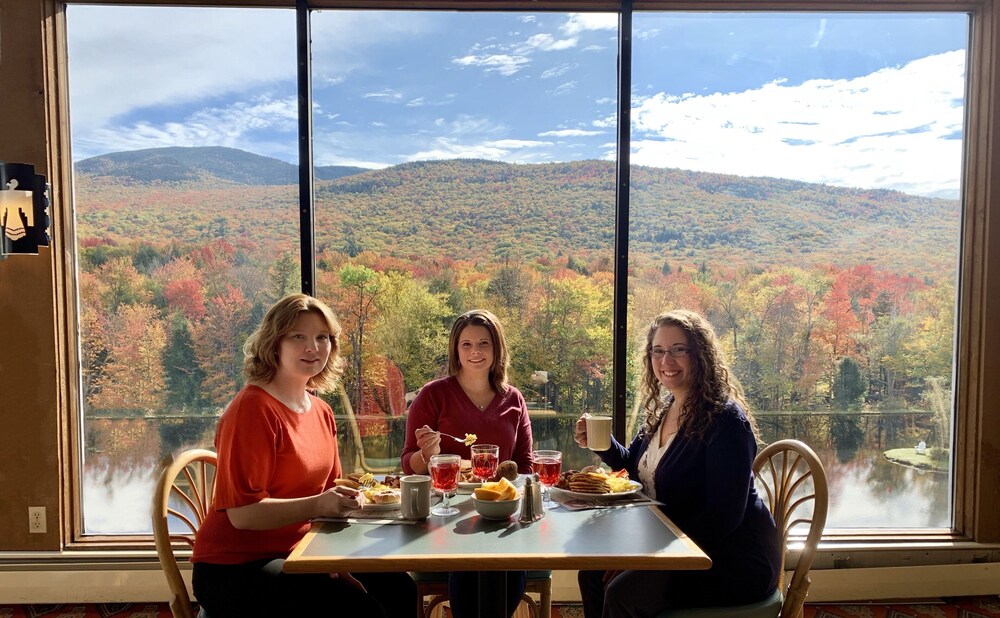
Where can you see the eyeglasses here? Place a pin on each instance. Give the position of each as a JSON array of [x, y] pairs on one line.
[[676, 351]]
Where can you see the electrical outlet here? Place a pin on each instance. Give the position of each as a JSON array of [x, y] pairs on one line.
[[36, 519]]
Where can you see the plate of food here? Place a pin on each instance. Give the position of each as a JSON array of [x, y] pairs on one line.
[[595, 482], [634, 487], [380, 499]]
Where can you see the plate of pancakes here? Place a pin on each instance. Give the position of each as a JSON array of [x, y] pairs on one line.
[[597, 485]]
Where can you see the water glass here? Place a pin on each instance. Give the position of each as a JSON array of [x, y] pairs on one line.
[[444, 476], [485, 459], [548, 466]]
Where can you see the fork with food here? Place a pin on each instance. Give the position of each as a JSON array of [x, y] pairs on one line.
[[468, 440]]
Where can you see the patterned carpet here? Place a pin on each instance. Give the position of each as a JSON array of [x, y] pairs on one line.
[[970, 607]]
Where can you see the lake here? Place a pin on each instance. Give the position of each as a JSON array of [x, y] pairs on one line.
[[866, 491]]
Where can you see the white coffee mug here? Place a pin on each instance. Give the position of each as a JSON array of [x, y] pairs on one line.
[[415, 496], [598, 433]]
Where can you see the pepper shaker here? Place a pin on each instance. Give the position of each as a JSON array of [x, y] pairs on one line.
[[531, 501]]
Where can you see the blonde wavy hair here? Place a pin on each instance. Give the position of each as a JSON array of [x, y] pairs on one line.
[[712, 383], [260, 352], [501, 355]]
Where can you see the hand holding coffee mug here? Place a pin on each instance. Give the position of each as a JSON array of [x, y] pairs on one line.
[[415, 496], [594, 432]]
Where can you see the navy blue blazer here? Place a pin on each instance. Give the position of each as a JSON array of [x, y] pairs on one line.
[[706, 487]]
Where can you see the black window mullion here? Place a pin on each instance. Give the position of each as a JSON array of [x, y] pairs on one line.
[[622, 184], [307, 215]]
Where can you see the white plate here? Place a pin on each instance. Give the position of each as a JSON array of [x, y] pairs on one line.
[[377, 507], [636, 487]]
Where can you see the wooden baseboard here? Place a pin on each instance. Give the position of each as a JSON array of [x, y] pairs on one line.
[[133, 586]]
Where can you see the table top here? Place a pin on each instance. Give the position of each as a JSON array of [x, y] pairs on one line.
[[635, 537]]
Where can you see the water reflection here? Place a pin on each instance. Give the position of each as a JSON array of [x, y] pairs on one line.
[[866, 491]]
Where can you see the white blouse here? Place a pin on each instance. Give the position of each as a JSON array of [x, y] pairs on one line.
[[650, 460]]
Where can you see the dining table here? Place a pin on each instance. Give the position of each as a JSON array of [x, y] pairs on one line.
[[605, 537]]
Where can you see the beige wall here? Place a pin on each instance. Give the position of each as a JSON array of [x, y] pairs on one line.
[[29, 465]]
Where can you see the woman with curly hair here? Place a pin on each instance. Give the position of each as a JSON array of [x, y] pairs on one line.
[[694, 454], [278, 459]]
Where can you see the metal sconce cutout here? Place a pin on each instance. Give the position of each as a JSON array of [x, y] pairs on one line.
[[24, 203]]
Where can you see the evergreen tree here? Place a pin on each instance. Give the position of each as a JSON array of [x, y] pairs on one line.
[[283, 274], [848, 386], [183, 373]]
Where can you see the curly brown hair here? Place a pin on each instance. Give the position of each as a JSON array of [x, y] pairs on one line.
[[712, 384], [260, 352]]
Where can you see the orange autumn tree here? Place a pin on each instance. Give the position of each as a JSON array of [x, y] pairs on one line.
[[133, 377]]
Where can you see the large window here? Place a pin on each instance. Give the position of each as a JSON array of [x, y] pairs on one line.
[[186, 227], [795, 177], [484, 178]]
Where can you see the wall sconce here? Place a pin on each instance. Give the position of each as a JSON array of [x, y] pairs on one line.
[[24, 203]]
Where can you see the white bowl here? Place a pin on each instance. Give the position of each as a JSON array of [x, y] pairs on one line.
[[498, 510]]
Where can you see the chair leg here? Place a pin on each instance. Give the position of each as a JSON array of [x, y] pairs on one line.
[[547, 601]]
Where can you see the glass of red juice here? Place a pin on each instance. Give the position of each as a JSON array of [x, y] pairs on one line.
[[485, 459], [444, 478], [548, 466]]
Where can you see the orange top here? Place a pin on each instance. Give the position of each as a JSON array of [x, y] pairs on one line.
[[265, 450]]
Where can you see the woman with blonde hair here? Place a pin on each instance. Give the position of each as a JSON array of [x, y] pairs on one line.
[[474, 398], [278, 459], [695, 454]]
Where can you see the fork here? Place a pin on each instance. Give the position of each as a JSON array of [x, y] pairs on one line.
[[456, 439]]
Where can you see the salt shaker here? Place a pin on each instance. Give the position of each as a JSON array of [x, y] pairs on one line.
[[531, 501]]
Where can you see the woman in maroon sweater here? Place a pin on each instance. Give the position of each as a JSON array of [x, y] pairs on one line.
[[474, 399]]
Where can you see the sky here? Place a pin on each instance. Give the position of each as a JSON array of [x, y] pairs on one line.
[[854, 100]]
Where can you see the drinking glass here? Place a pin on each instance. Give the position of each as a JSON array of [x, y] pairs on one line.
[[444, 477], [547, 465], [485, 459]]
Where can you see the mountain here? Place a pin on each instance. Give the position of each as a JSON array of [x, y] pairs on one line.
[[488, 211], [201, 165]]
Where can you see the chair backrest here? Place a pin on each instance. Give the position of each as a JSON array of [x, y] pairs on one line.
[[793, 479], [183, 494]]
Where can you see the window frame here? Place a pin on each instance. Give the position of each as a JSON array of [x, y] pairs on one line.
[[976, 432]]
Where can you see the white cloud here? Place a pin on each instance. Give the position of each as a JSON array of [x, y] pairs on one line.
[[895, 128], [387, 94], [236, 126], [580, 22], [546, 42], [171, 55], [649, 33], [498, 150], [820, 34], [564, 88], [569, 133], [504, 64], [557, 70], [447, 99]]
